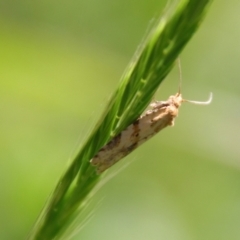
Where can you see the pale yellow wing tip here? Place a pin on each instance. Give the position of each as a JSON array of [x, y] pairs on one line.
[[201, 103]]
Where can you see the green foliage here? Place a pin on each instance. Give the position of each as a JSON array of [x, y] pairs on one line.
[[153, 61]]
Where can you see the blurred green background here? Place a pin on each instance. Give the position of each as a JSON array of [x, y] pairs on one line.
[[60, 61]]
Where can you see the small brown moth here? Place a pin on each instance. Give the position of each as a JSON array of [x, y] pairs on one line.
[[160, 116]]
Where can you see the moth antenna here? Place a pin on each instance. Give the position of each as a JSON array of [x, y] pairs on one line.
[[180, 76], [180, 88], [200, 103]]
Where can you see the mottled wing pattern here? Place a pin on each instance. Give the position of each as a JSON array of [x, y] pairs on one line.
[[160, 116]]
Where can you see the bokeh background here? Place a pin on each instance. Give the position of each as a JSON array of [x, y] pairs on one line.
[[60, 61]]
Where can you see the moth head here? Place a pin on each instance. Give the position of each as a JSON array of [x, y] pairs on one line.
[[176, 100]]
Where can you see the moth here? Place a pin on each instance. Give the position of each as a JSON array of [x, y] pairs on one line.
[[146, 126], [161, 115]]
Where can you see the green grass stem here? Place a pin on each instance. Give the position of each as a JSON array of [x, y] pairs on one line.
[[152, 62]]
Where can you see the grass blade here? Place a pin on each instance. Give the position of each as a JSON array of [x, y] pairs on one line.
[[152, 63]]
